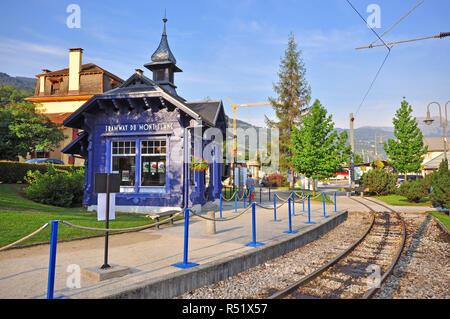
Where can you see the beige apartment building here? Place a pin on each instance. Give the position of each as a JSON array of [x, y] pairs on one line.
[[59, 93]]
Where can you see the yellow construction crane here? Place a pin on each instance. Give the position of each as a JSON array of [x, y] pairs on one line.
[[235, 106]]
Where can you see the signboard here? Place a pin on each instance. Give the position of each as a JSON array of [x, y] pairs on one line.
[[140, 127], [101, 206], [100, 182]]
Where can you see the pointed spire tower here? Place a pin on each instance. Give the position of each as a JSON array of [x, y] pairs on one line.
[[163, 64]]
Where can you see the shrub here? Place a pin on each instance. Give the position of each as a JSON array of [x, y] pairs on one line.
[[440, 182], [63, 188], [415, 190], [275, 179], [379, 181], [15, 172]]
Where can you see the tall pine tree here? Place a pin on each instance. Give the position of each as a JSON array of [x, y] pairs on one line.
[[406, 152], [294, 94], [318, 150]]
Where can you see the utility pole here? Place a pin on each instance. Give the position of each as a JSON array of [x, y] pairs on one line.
[[352, 156]]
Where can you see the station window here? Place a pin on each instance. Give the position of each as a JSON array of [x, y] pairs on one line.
[[124, 161], [153, 163]]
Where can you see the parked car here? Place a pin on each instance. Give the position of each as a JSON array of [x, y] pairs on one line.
[[45, 160], [263, 182], [400, 180]]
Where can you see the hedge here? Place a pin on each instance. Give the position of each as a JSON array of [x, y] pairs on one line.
[[15, 172]]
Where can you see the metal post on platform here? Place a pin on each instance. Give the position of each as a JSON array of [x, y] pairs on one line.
[[260, 195], [275, 208], [303, 201], [235, 202], [220, 206], [245, 200], [309, 213], [185, 264], [52, 260], [269, 192], [290, 231], [335, 205], [254, 243], [293, 204], [324, 211]]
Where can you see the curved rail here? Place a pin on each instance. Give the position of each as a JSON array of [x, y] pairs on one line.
[[292, 288]]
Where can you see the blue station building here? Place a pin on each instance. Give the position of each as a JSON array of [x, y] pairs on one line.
[[144, 131]]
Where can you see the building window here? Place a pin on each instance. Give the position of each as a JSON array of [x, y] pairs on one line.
[[124, 161], [153, 163]]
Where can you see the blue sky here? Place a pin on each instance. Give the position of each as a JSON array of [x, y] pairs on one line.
[[233, 48]]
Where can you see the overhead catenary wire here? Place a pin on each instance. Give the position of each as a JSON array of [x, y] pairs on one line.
[[437, 36], [378, 36], [393, 26], [373, 81]]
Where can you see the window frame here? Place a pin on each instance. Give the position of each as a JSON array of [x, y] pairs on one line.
[[137, 188]]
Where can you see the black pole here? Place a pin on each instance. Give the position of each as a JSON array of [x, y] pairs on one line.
[[105, 264]]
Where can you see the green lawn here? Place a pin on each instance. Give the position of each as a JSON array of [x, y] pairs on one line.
[[398, 200], [20, 216], [443, 217]]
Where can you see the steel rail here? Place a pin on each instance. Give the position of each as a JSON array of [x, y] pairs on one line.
[[372, 291], [293, 287]]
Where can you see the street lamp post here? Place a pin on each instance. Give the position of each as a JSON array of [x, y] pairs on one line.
[[443, 123]]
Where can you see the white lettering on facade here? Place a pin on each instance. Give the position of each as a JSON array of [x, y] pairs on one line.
[[146, 127]]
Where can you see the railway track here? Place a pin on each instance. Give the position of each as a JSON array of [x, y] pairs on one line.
[[358, 271]]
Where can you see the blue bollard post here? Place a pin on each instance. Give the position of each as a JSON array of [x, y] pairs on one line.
[[303, 201], [52, 260], [290, 231], [245, 200], [309, 213], [235, 202], [220, 206], [335, 205], [275, 208], [185, 264], [254, 243], [293, 204], [324, 211]]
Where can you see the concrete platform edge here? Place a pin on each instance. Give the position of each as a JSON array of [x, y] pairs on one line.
[[177, 283]]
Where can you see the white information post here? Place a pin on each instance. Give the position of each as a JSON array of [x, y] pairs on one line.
[[101, 206]]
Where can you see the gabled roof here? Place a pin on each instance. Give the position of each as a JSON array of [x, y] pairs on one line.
[[435, 144], [209, 110], [74, 147], [435, 162], [139, 86], [89, 68], [57, 118]]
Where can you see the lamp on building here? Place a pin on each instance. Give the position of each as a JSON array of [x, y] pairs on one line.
[[443, 123]]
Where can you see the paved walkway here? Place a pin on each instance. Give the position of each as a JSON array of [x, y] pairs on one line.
[[150, 253]]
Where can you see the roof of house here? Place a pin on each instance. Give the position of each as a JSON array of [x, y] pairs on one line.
[[88, 68], [435, 144], [435, 162], [139, 86], [57, 118]]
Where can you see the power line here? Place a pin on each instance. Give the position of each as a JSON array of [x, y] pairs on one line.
[[399, 21], [389, 49], [373, 81], [437, 36]]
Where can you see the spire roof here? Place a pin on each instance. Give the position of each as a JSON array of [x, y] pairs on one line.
[[163, 53]]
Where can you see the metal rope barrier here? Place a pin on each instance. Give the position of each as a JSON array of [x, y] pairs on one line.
[[37, 231], [121, 229], [229, 199], [221, 220]]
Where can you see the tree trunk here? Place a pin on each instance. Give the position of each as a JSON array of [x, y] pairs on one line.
[[406, 176]]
